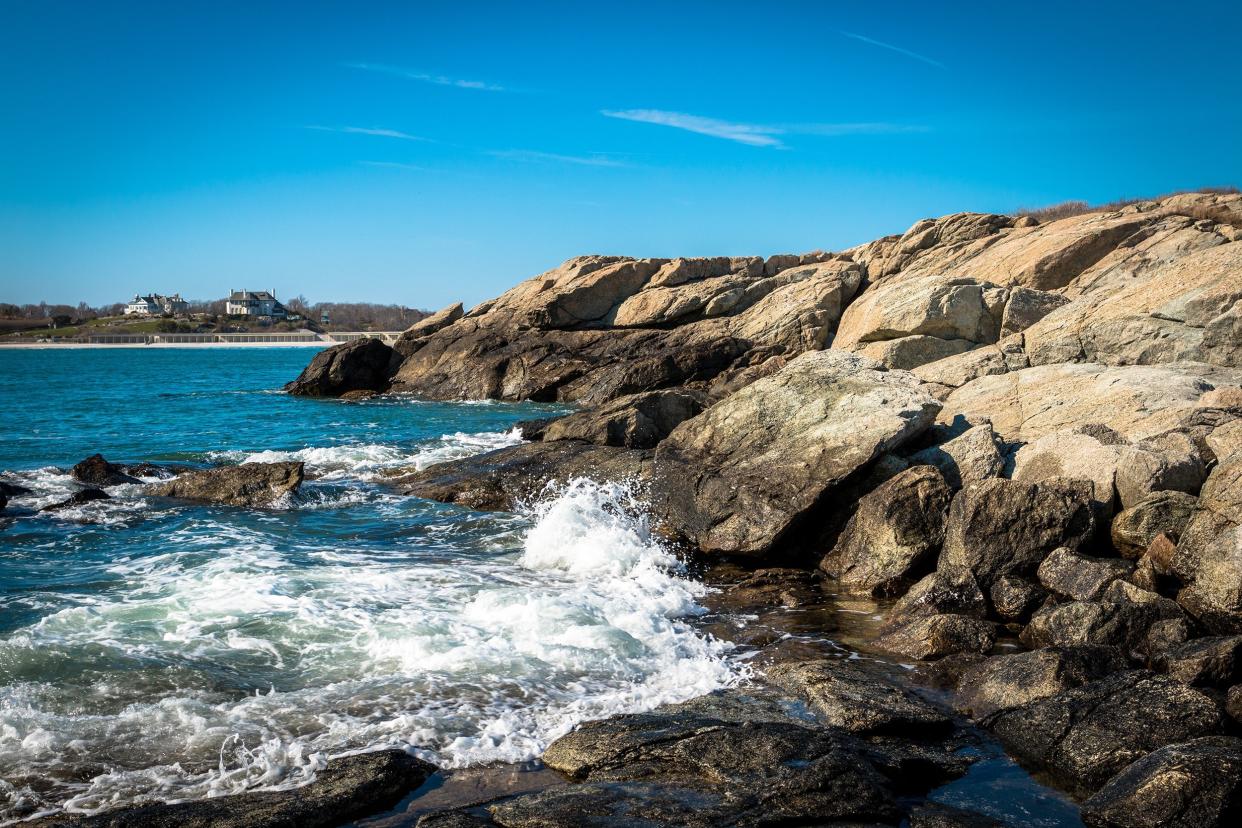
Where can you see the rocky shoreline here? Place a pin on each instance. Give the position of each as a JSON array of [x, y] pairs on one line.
[[1026, 436]]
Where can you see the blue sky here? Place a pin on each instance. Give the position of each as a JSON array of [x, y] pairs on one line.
[[421, 154]]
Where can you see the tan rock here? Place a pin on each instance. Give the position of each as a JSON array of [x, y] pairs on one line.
[[1136, 401]]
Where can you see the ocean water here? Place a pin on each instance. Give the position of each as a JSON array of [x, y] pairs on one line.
[[157, 649]]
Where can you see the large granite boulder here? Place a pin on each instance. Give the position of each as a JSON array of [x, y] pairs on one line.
[[361, 365], [1209, 553], [737, 477], [1085, 735], [1195, 784], [896, 531], [96, 471], [250, 484], [1001, 528], [634, 421]]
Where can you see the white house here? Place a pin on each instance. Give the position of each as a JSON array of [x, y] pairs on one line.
[[254, 303], [154, 304]]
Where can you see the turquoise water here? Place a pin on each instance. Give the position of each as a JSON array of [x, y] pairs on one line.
[[158, 649]]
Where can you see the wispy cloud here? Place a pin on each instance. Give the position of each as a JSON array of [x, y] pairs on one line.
[[426, 77], [534, 155], [383, 133], [898, 49], [754, 135]]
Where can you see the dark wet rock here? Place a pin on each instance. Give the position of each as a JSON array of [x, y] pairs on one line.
[[736, 478], [536, 428], [77, 499], [1006, 681], [634, 421], [1001, 528], [13, 489], [936, 815], [1134, 529], [1215, 661], [935, 636], [250, 484], [502, 479], [895, 532], [970, 457], [1078, 577], [1014, 599], [96, 471], [1197, 784], [851, 698], [953, 592], [686, 765], [348, 788], [1233, 703], [1098, 623], [1084, 736], [361, 365]]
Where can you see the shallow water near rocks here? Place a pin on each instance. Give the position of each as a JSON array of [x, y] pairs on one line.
[[151, 649]]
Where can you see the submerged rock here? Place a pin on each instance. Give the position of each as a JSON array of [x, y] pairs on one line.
[[250, 484], [348, 788], [77, 499], [361, 365], [96, 471], [736, 478], [1197, 784]]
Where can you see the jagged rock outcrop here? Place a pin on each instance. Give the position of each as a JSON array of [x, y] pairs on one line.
[[738, 476], [411, 338], [905, 323], [634, 421], [361, 365], [250, 484]]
